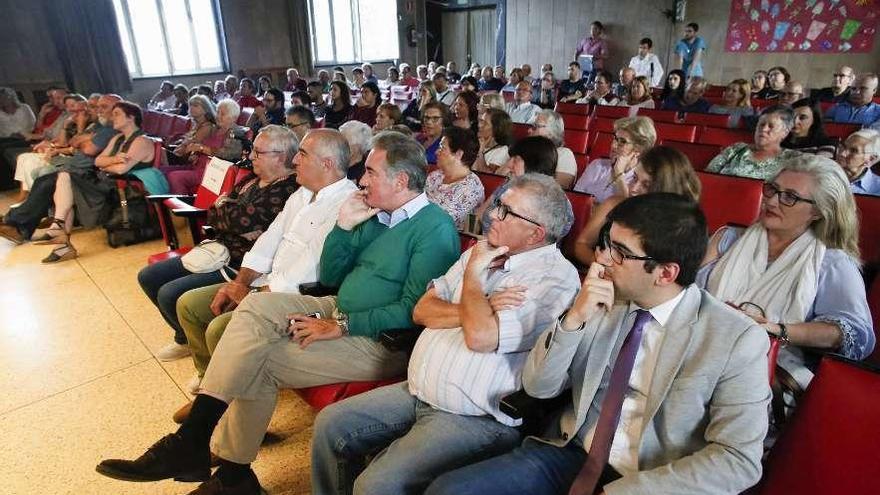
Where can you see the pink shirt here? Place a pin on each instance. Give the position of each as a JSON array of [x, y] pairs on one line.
[[597, 47]]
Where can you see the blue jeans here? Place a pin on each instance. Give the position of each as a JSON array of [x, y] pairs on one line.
[[166, 281], [535, 468], [413, 443]]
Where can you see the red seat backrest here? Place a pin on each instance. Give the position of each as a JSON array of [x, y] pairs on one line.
[[576, 141], [490, 182], [166, 125], [573, 108], [707, 119], [659, 115], [759, 104], [715, 100], [608, 112], [840, 131], [582, 206], [322, 396], [581, 161], [727, 199], [676, 132], [874, 306], [830, 443], [244, 116], [600, 145], [699, 154], [825, 106], [713, 90], [150, 123], [602, 125], [869, 227], [724, 137], [520, 131], [576, 122], [181, 125]]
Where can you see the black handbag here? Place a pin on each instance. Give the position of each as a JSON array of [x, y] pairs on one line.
[[132, 220]]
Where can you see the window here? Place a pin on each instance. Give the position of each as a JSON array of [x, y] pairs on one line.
[[347, 31], [170, 37]]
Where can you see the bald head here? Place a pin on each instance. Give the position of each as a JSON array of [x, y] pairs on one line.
[[627, 75]]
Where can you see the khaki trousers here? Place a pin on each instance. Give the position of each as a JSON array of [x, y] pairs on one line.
[[203, 330], [255, 358]]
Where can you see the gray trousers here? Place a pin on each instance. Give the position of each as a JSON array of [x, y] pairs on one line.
[[255, 358]]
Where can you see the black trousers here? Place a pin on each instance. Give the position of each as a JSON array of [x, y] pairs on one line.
[[27, 216]]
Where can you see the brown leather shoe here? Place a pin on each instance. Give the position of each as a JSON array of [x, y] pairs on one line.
[[11, 233], [181, 414], [250, 486]]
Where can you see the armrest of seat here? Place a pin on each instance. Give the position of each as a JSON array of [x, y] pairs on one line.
[[400, 339], [316, 289]]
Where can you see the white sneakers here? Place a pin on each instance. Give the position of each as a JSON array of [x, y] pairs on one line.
[[192, 386], [173, 352]]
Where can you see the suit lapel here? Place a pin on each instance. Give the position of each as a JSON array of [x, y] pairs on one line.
[[607, 342], [676, 343]]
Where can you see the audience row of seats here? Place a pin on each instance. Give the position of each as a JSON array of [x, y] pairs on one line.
[[170, 127]]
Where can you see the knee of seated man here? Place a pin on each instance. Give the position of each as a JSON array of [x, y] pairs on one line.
[[331, 426], [373, 482]]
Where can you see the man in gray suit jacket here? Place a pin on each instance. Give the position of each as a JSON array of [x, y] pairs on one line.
[[669, 385]]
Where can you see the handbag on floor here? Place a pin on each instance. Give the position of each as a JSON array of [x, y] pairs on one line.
[[131, 221]]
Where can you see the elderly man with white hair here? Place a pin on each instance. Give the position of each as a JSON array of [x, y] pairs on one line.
[[856, 156], [550, 125], [360, 138]]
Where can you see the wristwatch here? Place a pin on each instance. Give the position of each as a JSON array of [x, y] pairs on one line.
[[783, 334], [342, 321]]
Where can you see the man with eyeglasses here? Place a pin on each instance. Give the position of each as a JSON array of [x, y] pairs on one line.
[[300, 120], [271, 112], [481, 319], [839, 90], [387, 244], [522, 110], [792, 92], [859, 108], [856, 156], [669, 385]]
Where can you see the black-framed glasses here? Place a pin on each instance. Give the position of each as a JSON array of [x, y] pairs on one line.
[[257, 152], [503, 210], [618, 253], [294, 126], [786, 198]]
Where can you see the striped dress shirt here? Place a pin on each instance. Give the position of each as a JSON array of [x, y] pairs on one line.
[[444, 373]]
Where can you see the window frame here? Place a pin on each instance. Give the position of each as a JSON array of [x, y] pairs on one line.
[[356, 38], [135, 53]]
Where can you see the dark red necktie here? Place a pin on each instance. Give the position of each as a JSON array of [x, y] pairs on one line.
[[609, 415]]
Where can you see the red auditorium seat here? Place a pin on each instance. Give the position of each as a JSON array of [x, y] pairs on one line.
[[179, 126], [670, 116], [676, 132], [600, 145], [874, 306], [490, 182], [713, 90], [244, 116], [194, 208], [573, 108], [726, 199], [165, 125], [150, 123], [615, 113], [520, 131], [707, 119], [581, 161], [825, 106], [582, 205], [322, 396], [759, 104], [699, 154], [724, 137], [576, 141], [829, 445], [869, 227], [602, 125], [576, 122], [840, 131], [715, 100]]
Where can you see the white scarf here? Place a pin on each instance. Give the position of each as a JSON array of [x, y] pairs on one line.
[[785, 288]]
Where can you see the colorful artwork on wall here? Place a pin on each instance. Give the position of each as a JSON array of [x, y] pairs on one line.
[[814, 26]]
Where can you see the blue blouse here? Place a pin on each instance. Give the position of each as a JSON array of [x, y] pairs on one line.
[[840, 299]]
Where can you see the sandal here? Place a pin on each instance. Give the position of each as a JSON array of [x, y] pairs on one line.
[[55, 234], [62, 253]]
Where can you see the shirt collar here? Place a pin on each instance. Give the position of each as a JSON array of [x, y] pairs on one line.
[[527, 257], [408, 210], [332, 189], [663, 311], [868, 181]]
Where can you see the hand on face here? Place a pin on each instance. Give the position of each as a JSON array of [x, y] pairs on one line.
[[596, 294], [355, 211], [484, 256]]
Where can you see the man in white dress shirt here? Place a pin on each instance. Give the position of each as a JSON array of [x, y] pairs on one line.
[[522, 110], [669, 385], [647, 64], [482, 317]]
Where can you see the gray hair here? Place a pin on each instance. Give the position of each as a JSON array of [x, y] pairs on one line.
[[838, 223], [548, 204], [403, 154], [873, 139], [784, 112], [285, 139], [231, 107], [9, 93], [555, 126], [358, 134], [331, 144], [207, 105]]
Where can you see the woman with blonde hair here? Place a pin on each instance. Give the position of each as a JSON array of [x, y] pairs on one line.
[[412, 114], [736, 101], [605, 177], [660, 169], [796, 270], [489, 100], [638, 96]]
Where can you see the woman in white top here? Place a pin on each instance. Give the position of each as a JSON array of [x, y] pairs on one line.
[[639, 96], [494, 130], [550, 125]]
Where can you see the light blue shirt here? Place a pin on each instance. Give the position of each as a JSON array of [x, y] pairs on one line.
[[868, 183], [846, 113], [405, 212], [688, 51]]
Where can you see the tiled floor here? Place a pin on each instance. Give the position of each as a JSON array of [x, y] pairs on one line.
[[79, 380]]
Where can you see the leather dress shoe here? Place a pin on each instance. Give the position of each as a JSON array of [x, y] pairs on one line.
[[181, 414], [170, 457], [11, 233], [249, 486]]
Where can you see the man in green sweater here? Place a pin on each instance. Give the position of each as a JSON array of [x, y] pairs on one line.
[[388, 244]]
